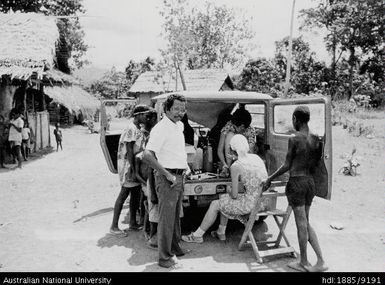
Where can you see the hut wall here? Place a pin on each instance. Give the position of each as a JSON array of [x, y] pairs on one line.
[[39, 123], [60, 114], [54, 113], [6, 99], [145, 98]]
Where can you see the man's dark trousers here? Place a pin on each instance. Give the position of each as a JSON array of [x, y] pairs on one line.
[[170, 203]]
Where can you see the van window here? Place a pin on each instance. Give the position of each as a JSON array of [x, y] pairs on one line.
[[257, 112], [118, 114], [283, 119]]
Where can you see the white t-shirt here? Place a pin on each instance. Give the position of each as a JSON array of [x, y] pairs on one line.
[[25, 133], [167, 141], [14, 135]]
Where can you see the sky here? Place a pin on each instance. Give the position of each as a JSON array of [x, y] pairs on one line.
[[120, 30]]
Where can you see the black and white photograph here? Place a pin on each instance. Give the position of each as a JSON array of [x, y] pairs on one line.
[[191, 136]]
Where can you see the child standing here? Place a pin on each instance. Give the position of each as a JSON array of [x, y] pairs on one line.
[[3, 140], [58, 136], [14, 137], [26, 136]]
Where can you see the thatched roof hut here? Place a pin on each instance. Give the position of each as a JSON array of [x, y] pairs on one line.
[[74, 98], [196, 80], [28, 53], [27, 46], [152, 83]]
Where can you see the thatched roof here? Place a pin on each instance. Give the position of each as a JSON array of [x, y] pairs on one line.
[[74, 98], [27, 44], [196, 80]]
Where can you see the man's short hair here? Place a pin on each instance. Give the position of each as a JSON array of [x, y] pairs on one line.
[[241, 117], [302, 114], [170, 101], [140, 109]]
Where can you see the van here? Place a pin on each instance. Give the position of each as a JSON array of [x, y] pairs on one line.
[[272, 120]]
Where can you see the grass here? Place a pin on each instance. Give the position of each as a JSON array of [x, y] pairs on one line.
[[355, 119]]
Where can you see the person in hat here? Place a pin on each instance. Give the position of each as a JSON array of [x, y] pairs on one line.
[[130, 144]]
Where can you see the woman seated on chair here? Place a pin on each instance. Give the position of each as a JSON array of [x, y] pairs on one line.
[[248, 169]]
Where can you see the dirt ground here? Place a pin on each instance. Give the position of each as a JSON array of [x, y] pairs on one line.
[[42, 205]]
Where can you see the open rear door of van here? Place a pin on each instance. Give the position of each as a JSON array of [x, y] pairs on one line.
[[280, 128], [114, 116]]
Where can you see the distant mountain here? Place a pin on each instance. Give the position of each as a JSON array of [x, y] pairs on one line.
[[89, 74]]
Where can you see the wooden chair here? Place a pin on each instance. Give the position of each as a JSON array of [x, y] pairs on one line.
[[248, 237]]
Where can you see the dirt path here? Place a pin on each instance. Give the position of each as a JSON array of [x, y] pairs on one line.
[[41, 202]]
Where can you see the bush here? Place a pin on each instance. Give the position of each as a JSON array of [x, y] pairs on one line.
[[351, 118]]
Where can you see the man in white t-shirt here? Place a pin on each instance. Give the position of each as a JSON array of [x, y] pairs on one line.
[[15, 138], [165, 153]]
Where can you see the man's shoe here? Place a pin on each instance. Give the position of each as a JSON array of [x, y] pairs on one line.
[[183, 252], [193, 239], [172, 262], [134, 228], [221, 237]]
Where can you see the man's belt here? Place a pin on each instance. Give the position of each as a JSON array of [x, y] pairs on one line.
[[176, 171]]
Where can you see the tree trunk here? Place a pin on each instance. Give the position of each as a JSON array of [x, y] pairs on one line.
[[351, 71], [333, 68]]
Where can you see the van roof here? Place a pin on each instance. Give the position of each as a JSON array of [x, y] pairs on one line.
[[217, 96]]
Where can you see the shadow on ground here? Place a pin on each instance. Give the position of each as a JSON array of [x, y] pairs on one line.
[[220, 252], [31, 159]]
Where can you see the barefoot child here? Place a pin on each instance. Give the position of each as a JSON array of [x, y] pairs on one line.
[[145, 175], [3, 140], [58, 136], [26, 138], [304, 150]]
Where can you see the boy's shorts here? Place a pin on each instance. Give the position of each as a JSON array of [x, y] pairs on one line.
[[153, 210], [300, 191]]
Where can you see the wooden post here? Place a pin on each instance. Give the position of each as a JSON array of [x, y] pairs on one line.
[[41, 89], [181, 76], [25, 99], [49, 131], [288, 64], [35, 146], [41, 132]]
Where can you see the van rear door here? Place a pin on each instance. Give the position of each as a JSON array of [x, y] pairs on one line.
[[114, 116], [280, 128]]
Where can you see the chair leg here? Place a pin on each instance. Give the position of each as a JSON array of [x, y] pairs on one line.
[[249, 224], [255, 248], [281, 233], [282, 226]]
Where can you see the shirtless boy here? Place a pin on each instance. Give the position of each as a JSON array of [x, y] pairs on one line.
[[304, 150]]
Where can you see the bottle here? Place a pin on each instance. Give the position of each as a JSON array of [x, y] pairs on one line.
[[198, 163], [208, 157]]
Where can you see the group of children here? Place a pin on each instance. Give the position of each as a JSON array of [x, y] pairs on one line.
[[15, 138]]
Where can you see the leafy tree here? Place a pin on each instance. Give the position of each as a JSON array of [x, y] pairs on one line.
[[212, 37], [71, 43], [307, 74], [134, 69], [112, 85], [115, 84], [353, 27], [260, 75]]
